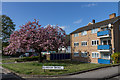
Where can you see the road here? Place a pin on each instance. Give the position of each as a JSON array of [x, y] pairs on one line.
[[6, 75], [115, 78]]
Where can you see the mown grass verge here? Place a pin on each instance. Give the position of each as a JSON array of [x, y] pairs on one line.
[[35, 68]]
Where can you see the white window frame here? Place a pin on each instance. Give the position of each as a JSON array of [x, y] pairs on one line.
[[84, 53], [76, 35], [95, 55], [84, 33], [93, 31], [96, 42], [85, 42], [74, 44], [76, 55]]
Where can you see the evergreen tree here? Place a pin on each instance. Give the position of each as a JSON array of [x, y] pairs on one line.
[[8, 27]]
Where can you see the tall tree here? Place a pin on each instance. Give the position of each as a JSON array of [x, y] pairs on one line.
[[8, 27], [33, 36]]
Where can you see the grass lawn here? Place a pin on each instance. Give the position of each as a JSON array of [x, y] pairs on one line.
[[8, 60], [35, 68]]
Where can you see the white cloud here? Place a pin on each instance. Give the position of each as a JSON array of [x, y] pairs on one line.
[[63, 27], [50, 25], [89, 5], [78, 21]]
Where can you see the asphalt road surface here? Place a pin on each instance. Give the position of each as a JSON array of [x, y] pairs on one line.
[[115, 78], [6, 75]]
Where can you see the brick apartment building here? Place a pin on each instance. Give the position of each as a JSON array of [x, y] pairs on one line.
[[96, 42]]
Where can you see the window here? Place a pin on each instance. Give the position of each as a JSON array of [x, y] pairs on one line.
[[105, 42], [95, 42], [104, 29], [76, 44], [76, 35], [94, 30], [83, 54], [95, 55], [76, 54], [84, 33], [105, 55], [84, 43], [109, 42]]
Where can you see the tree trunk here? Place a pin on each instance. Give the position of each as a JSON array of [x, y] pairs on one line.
[[40, 57]]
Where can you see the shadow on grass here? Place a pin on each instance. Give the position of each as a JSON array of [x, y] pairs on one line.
[[65, 61], [57, 63], [58, 70]]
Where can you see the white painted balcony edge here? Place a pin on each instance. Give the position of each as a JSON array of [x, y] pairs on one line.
[[104, 50], [104, 36]]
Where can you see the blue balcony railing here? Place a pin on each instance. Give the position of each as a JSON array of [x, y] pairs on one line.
[[103, 47], [104, 61], [102, 33]]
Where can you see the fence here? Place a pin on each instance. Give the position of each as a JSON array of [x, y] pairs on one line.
[[60, 56]]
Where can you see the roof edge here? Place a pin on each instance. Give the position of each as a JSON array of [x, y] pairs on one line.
[[96, 23]]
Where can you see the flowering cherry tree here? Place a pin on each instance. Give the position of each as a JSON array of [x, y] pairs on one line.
[[33, 36]]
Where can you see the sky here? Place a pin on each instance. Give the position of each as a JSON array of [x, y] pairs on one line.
[[68, 15]]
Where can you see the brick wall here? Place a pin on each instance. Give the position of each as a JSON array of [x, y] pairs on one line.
[[89, 48], [116, 33]]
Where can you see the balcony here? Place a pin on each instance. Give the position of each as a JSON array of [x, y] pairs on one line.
[[104, 61], [103, 48], [102, 34]]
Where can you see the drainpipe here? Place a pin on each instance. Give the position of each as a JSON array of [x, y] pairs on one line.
[[112, 42]]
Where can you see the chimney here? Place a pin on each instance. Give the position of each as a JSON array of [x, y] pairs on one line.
[[113, 15], [93, 21]]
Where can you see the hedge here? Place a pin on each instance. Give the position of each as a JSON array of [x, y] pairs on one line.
[[116, 57], [24, 59]]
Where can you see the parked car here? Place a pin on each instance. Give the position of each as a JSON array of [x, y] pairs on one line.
[[34, 54], [23, 55]]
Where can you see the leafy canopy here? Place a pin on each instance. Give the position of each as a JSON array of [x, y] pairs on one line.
[[33, 36], [8, 27]]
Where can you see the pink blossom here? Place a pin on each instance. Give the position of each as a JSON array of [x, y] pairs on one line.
[[32, 35]]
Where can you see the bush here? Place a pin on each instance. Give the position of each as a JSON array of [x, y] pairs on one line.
[[116, 57], [24, 59]]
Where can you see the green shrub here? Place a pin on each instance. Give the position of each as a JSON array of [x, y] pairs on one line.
[[116, 57], [24, 59]]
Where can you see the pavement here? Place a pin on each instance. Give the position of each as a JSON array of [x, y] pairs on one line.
[[100, 73]]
